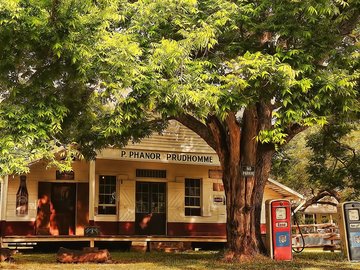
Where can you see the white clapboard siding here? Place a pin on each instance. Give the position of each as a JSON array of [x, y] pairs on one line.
[[175, 201], [176, 205], [176, 138], [127, 200]]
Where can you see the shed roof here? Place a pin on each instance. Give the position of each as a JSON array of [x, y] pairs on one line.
[[322, 208], [284, 190]]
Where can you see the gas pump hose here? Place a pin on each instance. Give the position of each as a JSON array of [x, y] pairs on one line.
[[301, 234]]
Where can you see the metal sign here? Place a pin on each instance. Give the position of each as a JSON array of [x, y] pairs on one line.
[[219, 200], [91, 231], [248, 170]]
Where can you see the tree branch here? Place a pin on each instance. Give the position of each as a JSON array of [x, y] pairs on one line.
[[322, 194], [293, 130], [219, 136], [54, 10], [198, 127]]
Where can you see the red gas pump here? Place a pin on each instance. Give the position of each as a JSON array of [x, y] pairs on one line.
[[278, 229]]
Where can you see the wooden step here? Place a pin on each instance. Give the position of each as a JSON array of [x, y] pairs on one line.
[[139, 246], [169, 246]]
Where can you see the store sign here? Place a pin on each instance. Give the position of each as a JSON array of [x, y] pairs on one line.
[[166, 157], [68, 175], [22, 202]]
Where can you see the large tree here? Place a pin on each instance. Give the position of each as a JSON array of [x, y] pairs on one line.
[[246, 76]]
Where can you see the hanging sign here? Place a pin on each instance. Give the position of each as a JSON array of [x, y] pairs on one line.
[[218, 187], [69, 175], [215, 174]]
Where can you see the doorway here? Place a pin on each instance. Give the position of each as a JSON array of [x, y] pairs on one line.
[[150, 213], [63, 197], [56, 209]]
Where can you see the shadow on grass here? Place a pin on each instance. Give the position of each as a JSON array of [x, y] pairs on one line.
[[190, 260], [212, 260]]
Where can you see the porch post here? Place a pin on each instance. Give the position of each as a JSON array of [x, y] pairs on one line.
[[91, 192], [3, 204]]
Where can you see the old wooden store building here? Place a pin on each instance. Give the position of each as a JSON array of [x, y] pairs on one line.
[[168, 185]]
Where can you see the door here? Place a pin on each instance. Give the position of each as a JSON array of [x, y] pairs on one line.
[[82, 208], [56, 209], [45, 214], [63, 197], [150, 216]]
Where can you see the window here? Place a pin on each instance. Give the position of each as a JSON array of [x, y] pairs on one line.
[[107, 195], [150, 197], [150, 173], [192, 197], [309, 219]]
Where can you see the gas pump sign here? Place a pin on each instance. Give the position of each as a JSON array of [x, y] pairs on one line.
[[349, 224], [280, 213], [278, 229], [353, 214]]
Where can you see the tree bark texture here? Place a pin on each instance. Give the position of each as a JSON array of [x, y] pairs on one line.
[[245, 194]]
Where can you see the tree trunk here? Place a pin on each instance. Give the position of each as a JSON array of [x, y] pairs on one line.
[[244, 204], [236, 145]]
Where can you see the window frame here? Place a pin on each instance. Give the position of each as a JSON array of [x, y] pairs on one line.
[[192, 209], [113, 188]]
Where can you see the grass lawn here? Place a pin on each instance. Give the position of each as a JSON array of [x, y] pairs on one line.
[[310, 259]]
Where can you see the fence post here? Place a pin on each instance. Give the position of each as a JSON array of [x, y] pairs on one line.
[[332, 241], [297, 238]]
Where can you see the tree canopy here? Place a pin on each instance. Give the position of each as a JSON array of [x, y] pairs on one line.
[[214, 57], [247, 76], [54, 62], [169, 58]]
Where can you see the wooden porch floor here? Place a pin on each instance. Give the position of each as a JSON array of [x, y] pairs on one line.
[[110, 238]]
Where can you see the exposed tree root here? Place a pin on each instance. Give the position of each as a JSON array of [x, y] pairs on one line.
[[233, 257]]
